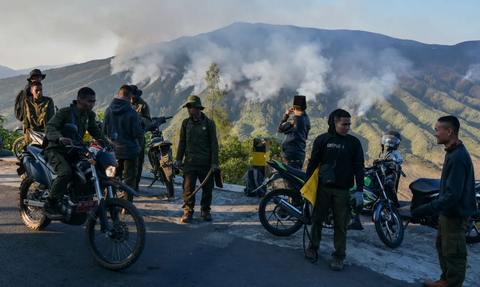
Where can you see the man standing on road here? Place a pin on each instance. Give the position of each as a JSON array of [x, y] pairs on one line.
[[341, 160], [198, 143], [455, 203], [80, 114], [296, 133], [122, 119], [38, 111], [143, 111]]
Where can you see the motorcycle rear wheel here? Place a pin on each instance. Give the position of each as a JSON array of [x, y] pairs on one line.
[[274, 219], [18, 146], [126, 241], [31, 215], [389, 227]]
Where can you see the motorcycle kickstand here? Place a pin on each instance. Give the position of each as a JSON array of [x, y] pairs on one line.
[[155, 179]]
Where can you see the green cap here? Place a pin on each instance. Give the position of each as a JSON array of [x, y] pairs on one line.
[[194, 102]]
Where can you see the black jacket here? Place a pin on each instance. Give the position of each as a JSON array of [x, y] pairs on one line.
[[122, 119], [457, 185], [296, 133], [348, 153]]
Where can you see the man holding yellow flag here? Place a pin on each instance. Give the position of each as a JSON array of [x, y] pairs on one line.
[[338, 159]]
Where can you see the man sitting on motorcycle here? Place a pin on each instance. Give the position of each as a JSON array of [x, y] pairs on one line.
[[79, 113]]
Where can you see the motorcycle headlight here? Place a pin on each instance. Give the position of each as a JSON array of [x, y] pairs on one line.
[[110, 171]]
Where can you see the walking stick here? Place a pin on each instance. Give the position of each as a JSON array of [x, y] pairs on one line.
[[198, 188]]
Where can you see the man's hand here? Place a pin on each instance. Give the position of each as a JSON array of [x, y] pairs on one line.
[[422, 211], [65, 141], [215, 166], [358, 196], [288, 111], [178, 164]]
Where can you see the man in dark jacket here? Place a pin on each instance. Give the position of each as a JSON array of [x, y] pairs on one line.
[[198, 144], [455, 203], [296, 133], [341, 160], [38, 110], [122, 119], [143, 111], [79, 113]]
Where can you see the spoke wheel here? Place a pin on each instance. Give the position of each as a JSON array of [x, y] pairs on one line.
[[18, 146], [31, 215], [276, 220], [121, 245]]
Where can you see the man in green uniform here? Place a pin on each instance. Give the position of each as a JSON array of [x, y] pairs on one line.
[[143, 111], [38, 110], [79, 113], [455, 203], [198, 144]]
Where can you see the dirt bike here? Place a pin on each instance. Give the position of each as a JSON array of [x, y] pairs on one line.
[[160, 156], [115, 230], [425, 190], [282, 212]]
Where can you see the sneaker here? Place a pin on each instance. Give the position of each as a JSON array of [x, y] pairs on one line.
[[187, 217], [206, 216], [438, 283], [337, 263], [311, 254]]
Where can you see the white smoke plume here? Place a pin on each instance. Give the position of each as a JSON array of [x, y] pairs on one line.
[[473, 73], [367, 78]]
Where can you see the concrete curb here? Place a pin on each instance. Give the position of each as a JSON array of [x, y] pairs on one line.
[[179, 180]]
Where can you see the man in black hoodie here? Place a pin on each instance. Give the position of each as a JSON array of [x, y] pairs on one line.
[[455, 203], [122, 119], [341, 160]]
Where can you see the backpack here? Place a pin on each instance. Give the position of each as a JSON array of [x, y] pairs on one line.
[[253, 179], [19, 108]]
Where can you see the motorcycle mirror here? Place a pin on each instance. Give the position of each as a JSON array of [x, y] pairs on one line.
[[114, 137], [71, 127]]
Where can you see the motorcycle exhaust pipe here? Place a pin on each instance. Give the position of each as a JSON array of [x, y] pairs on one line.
[[289, 208], [33, 203]]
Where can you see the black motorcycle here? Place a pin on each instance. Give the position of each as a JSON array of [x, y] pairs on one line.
[[282, 212], [425, 190], [115, 230], [160, 156]]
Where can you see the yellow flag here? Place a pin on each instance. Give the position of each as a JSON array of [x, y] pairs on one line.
[[309, 190]]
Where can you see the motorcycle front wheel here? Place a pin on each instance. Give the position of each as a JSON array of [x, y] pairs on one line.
[[18, 146], [168, 181], [389, 226], [121, 245], [276, 220]]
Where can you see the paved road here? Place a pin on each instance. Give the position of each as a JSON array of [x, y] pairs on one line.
[[234, 250]]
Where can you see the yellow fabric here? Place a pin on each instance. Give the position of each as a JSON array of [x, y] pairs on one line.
[[87, 137], [309, 190]]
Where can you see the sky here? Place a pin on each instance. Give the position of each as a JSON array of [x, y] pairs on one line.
[[54, 32]]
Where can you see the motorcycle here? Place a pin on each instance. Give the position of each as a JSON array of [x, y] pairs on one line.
[[160, 156], [115, 230], [289, 212], [425, 190]]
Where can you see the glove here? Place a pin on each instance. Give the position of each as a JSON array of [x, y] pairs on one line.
[[422, 211], [215, 166], [358, 198], [178, 164]]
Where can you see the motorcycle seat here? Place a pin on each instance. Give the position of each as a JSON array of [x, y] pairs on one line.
[[425, 185], [163, 143], [296, 172]]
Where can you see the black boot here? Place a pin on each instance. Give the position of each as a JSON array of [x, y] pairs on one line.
[[49, 208]]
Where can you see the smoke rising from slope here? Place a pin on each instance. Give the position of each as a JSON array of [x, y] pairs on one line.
[[473, 73]]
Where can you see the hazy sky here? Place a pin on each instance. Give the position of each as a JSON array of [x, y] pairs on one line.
[[51, 32]]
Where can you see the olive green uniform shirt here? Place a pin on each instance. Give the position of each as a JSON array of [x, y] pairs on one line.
[[84, 122], [38, 113], [143, 111]]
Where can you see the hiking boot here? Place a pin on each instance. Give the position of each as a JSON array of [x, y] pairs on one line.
[[439, 283], [337, 263], [49, 205], [311, 254], [187, 217], [206, 216]]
